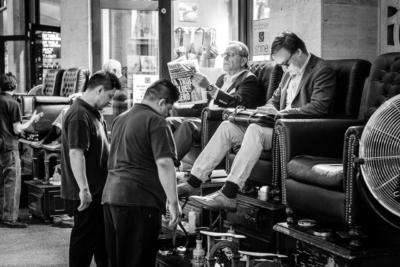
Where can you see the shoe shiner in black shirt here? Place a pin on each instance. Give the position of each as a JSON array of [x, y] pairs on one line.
[[141, 177]]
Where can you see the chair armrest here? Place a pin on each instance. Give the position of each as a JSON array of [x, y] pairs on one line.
[[355, 130], [213, 114], [211, 118], [304, 116], [188, 110], [350, 152], [318, 137], [52, 100]]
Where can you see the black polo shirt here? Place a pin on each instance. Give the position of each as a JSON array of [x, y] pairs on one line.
[[84, 128], [138, 138], [9, 114]]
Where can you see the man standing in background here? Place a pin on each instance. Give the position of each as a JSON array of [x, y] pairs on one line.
[[84, 156], [120, 99], [10, 163]]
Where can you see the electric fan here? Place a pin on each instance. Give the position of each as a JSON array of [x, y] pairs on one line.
[[380, 157]]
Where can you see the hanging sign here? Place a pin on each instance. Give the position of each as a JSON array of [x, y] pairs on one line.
[[260, 30], [140, 84]]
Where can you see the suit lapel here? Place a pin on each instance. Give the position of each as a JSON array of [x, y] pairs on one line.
[[306, 75], [237, 81]]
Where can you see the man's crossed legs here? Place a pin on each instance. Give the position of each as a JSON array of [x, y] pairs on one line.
[[252, 141]]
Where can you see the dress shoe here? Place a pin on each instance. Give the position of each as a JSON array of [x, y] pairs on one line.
[[216, 201], [11, 224], [185, 190]]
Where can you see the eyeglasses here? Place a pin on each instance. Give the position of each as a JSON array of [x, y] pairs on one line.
[[229, 54], [286, 63]]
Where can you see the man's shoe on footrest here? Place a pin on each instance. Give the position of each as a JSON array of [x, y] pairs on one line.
[[216, 201], [186, 190]]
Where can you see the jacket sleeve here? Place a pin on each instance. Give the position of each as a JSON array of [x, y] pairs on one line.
[[322, 96], [275, 99], [246, 94]]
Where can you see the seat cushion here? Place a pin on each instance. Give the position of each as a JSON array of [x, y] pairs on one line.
[[320, 171], [310, 201]]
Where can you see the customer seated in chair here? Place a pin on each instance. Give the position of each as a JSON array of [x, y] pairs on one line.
[[54, 133], [237, 87], [307, 87]]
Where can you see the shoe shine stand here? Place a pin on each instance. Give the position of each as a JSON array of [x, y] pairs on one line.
[[44, 198]]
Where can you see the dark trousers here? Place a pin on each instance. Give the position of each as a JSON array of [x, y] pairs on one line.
[[131, 235], [88, 236], [186, 133]]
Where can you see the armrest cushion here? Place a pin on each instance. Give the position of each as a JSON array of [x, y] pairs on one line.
[[188, 110], [52, 100], [317, 137]]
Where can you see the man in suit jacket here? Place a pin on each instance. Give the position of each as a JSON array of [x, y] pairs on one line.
[[238, 86], [307, 88]]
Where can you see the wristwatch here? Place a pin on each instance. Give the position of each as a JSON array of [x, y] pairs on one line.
[[210, 87]]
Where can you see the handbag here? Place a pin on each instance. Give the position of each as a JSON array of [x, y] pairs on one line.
[[245, 117]]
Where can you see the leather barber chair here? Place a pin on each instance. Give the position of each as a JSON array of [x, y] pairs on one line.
[[52, 82], [350, 75], [51, 106], [317, 156], [74, 80]]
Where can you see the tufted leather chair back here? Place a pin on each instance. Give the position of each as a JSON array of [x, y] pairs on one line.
[[268, 77], [74, 80], [350, 78], [52, 82], [382, 84]]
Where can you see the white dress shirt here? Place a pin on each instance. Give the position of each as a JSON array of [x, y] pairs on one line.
[[293, 85]]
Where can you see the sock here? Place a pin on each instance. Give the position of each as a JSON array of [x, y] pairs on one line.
[[194, 181], [230, 189]]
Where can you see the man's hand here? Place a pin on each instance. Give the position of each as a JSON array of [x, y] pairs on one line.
[[176, 214], [36, 116], [199, 80], [267, 109], [86, 199]]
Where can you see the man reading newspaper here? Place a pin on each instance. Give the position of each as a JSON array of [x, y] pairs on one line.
[[237, 86]]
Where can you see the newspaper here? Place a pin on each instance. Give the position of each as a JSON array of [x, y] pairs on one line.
[[181, 73]]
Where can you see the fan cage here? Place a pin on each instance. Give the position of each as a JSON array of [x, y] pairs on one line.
[[380, 150]]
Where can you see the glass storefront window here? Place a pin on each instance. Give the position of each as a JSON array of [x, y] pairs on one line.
[[259, 48], [202, 30], [131, 37], [12, 18], [50, 12], [15, 62]]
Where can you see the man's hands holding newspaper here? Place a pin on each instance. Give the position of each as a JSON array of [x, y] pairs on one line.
[[199, 80]]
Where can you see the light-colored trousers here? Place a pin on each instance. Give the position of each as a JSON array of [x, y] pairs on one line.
[[10, 185], [252, 140]]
